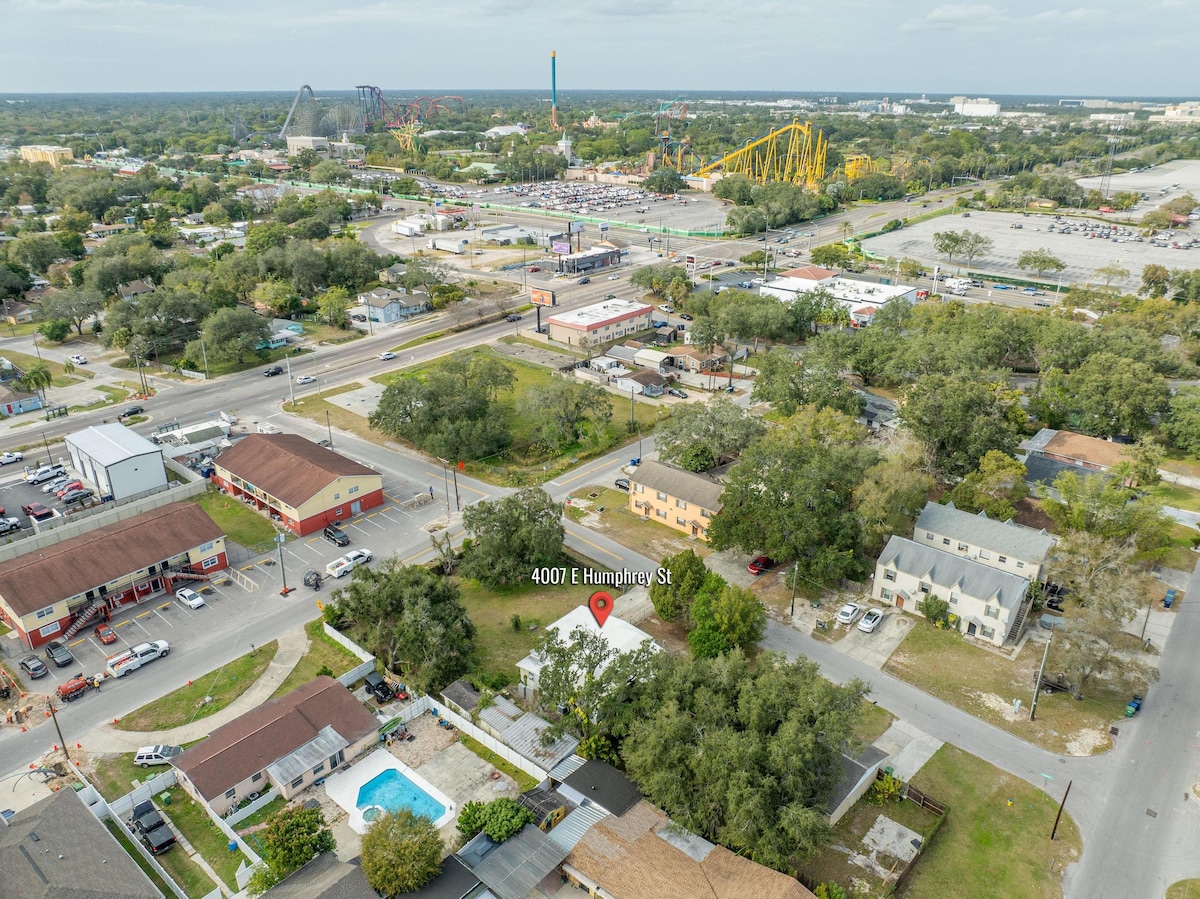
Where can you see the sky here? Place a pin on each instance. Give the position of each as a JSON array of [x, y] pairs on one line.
[[1099, 48]]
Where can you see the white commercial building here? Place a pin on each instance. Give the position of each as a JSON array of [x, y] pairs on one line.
[[119, 462], [979, 108], [600, 322], [861, 299]]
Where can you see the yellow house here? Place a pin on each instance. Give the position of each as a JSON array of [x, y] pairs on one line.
[[674, 497]]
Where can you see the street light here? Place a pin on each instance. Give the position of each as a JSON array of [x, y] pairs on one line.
[[280, 539]]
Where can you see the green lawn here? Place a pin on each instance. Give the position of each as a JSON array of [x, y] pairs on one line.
[[189, 876], [24, 361], [524, 781], [501, 647], [187, 703], [321, 652], [874, 722], [1180, 555], [261, 816], [995, 844], [1176, 495], [984, 684], [191, 820], [239, 523], [1184, 889], [316, 407]]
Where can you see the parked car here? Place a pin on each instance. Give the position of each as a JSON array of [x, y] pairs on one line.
[[33, 666], [105, 634], [45, 473], [379, 688], [676, 392], [78, 360], [534, 268], [306, 379], [155, 755], [37, 511], [76, 496], [9, 458], [387, 357], [8, 525], [358, 317], [622, 484], [848, 613], [189, 597], [760, 564], [273, 371], [686, 317], [56, 485], [68, 487], [871, 620], [59, 654], [335, 535], [132, 410]]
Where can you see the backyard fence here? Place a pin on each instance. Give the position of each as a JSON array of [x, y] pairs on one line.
[[927, 802]]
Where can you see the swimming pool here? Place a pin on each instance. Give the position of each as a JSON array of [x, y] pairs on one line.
[[380, 783], [392, 791]]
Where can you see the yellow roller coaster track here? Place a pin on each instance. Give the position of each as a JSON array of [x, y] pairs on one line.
[[801, 160]]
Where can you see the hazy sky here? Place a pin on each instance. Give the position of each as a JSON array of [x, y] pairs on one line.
[[1098, 48]]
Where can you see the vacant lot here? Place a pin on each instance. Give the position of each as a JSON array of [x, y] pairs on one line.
[[239, 523], [203, 697], [985, 684], [995, 844]]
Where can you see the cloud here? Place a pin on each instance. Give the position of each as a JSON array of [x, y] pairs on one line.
[[963, 18], [1068, 17]]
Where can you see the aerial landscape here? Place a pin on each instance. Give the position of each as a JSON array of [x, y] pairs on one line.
[[551, 484]]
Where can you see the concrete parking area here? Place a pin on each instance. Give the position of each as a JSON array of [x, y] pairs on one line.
[[876, 648]]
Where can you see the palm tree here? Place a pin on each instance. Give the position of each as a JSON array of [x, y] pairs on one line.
[[37, 378]]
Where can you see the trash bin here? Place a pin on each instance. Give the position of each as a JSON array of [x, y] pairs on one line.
[[164, 798]]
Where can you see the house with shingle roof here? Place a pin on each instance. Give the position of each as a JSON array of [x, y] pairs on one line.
[[306, 485], [286, 742], [1004, 545], [679, 499]]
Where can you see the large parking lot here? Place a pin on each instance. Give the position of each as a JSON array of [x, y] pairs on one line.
[[15, 493], [1082, 255]]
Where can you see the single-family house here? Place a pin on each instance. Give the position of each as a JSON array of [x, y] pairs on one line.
[[1003, 545], [679, 499], [286, 742], [389, 306], [696, 360], [135, 288], [393, 274], [989, 603], [1079, 450], [642, 382], [14, 400]]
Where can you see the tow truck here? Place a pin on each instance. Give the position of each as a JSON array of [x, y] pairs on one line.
[[132, 659]]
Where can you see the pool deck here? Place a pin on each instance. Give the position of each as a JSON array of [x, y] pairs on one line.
[[343, 788]]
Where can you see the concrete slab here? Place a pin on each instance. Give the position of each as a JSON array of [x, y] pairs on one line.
[[362, 402], [890, 838], [876, 648], [896, 737], [912, 758], [634, 606]]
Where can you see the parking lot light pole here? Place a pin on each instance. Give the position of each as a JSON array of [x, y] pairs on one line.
[[446, 480], [280, 539]]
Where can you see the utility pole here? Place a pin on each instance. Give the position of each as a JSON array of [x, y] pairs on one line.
[[795, 582], [1061, 805], [280, 539], [1037, 687], [446, 481], [287, 360], [204, 353], [329, 428], [61, 741]]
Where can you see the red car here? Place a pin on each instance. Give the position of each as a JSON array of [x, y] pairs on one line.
[[534, 268], [37, 511], [761, 564], [68, 487], [105, 634]]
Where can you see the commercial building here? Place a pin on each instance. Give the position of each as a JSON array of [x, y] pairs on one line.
[[978, 108], [305, 485], [861, 299], [589, 260], [600, 322], [286, 743], [53, 592], [120, 462], [679, 499], [55, 156], [387, 306]]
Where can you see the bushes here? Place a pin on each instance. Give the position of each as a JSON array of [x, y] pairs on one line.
[[499, 819]]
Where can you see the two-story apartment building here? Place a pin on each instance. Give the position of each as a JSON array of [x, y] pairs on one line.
[[387, 306], [679, 499], [1003, 545], [991, 604]]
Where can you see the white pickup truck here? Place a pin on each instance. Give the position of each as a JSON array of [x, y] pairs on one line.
[[132, 659]]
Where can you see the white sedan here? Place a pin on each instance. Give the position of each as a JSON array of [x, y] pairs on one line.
[[189, 598], [870, 621], [78, 360], [386, 357], [306, 379], [848, 613]]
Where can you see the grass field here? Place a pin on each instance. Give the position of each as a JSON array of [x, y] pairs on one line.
[[491, 610], [984, 684], [627, 528], [186, 873], [220, 687], [1184, 889], [112, 396], [239, 523], [524, 781], [321, 652], [191, 820], [996, 842]]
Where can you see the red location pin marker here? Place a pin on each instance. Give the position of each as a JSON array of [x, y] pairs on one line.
[[601, 605]]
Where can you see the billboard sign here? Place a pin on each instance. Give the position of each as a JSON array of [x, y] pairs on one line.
[[539, 296], [559, 246], [576, 228], [603, 227]]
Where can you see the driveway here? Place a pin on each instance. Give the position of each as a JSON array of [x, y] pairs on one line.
[[876, 648]]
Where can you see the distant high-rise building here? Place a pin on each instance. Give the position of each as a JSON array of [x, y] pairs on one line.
[[56, 156], [980, 108]]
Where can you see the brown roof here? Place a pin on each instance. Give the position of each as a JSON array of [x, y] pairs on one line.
[[809, 273], [288, 467], [76, 565], [251, 742], [1086, 449], [629, 860], [648, 378]]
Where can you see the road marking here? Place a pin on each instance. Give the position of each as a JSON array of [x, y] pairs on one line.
[[144, 614], [594, 546], [77, 642]]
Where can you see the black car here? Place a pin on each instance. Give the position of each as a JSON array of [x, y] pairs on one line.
[[379, 688], [676, 392], [622, 484], [59, 654], [585, 281], [273, 371], [513, 317], [132, 410], [335, 535], [685, 317]]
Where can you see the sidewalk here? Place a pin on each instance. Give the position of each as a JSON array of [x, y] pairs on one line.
[[292, 645]]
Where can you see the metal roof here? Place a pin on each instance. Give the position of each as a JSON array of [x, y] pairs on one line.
[[326, 744], [568, 832], [514, 868], [111, 443], [523, 731]]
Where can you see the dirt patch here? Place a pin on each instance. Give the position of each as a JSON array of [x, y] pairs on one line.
[[1030, 514], [1088, 742], [670, 635], [1004, 709]]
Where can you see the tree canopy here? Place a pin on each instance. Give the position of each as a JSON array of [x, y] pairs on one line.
[[511, 537], [401, 852]]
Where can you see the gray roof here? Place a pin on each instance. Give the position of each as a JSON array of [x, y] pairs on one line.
[[522, 731], [112, 443], [513, 869], [325, 878], [1040, 470], [947, 570], [624, 353], [462, 694], [1002, 537], [570, 830], [676, 482], [326, 744], [72, 847], [853, 769], [605, 786]]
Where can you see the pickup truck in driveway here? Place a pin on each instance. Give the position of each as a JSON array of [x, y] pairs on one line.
[[132, 659]]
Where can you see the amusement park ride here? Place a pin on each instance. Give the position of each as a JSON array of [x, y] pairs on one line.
[[404, 122]]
